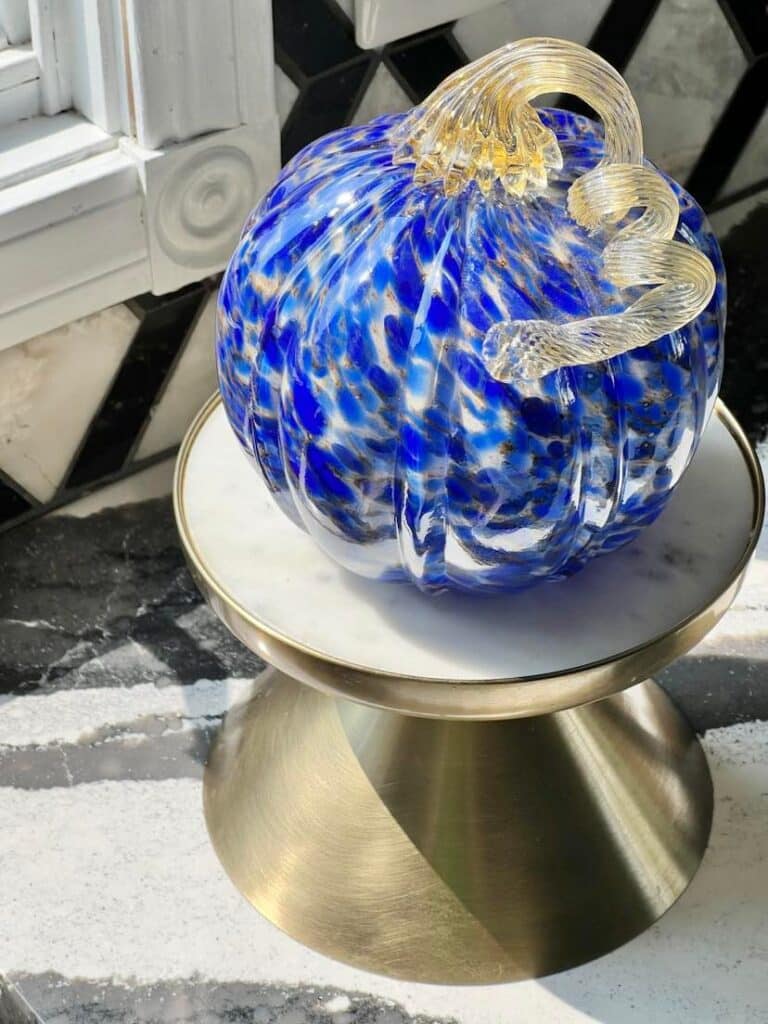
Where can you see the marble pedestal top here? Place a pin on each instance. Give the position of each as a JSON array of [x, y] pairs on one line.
[[282, 579]]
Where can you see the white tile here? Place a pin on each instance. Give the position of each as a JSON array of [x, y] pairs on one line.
[[50, 388], [380, 21], [348, 6], [517, 19], [752, 165], [682, 75], [193, 381], [286, 92], [154, 482], [723, 220], [383, 96]]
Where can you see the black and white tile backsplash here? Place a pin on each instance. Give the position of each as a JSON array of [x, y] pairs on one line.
[[113, 393]]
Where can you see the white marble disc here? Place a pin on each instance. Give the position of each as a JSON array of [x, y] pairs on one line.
[[275, 572]]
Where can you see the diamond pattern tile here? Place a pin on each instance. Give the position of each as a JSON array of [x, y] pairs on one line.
[[752, 165], [682, 75], [51, 387], [190, 382], [311, 37], [749, 20], [286, 92], [516, 19], [384, 95], [423, 61], [112, 435]]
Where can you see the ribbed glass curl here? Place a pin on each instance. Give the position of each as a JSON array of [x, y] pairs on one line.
[[478, 125]]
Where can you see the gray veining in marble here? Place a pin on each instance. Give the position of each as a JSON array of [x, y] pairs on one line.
[[61, 1001]]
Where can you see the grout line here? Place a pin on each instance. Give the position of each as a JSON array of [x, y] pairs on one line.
[[171, 370], [67, 497], [17, 488]]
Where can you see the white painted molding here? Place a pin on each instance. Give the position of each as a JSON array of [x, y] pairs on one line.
[[49, 30], [380, 21], [197, 196], [97, 70], [20, 102], [44, 144], [81, 229], [14, 21], [71, 242], [198, 67]]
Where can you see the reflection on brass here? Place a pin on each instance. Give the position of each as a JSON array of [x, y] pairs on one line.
[[471, 699], [458, 852]]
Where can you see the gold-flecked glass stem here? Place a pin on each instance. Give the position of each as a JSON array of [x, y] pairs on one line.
[[478, 126]]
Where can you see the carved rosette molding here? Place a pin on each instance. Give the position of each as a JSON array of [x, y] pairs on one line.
[[202, 207], [184, 93], [197, 196], [205, 126]]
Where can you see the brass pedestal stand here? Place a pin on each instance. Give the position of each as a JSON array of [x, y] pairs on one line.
[[450, 829]]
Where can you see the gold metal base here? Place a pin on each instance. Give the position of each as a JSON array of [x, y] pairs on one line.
[[458, 851]]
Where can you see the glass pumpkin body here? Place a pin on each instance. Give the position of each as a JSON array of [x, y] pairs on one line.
[[350, 338]]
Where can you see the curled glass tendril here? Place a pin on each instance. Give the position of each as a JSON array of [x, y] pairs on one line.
[[478, 125]]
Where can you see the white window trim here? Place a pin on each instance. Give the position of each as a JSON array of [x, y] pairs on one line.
[[146, 187]]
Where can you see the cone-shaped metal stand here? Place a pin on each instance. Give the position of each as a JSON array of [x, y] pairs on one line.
[[465, 852]]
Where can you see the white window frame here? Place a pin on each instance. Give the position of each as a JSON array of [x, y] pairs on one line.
[[145, 186]]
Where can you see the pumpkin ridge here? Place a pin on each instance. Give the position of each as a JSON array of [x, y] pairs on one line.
[[271, 307], [582, 465], [419, 431], [247, 318], [333, 268], [562, 536]]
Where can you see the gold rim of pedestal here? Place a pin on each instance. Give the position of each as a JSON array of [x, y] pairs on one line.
[[478, 699]]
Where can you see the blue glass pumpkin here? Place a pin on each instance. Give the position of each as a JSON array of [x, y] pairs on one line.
[[387, 324]]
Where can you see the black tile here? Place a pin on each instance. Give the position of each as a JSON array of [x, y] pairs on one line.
[[311, 37], [13, 502], [149, 303], [620, 30], [731, 133], [139, 380], [749, 21], [421, 62], [326, 103], [616, 38], [745, 380]]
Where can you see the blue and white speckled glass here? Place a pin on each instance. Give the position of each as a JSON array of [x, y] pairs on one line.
[[350, 335]]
